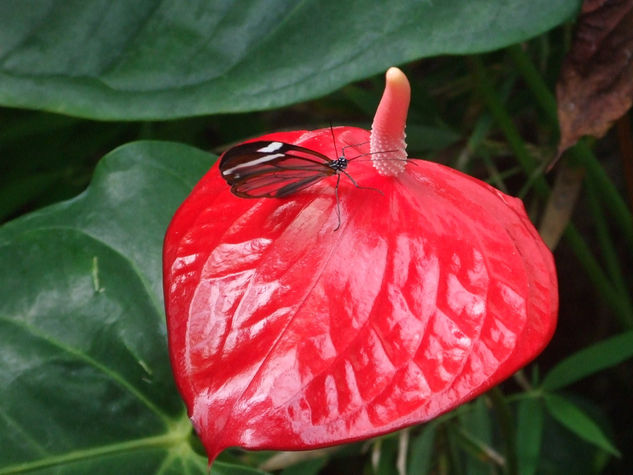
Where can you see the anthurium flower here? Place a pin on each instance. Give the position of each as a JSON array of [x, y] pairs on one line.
[[287, 334]]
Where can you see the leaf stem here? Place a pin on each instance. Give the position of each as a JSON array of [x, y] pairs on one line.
[[484, 450], [167, 440]]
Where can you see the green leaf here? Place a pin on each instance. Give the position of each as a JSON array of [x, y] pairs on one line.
[[85, 381], [529, 435], [165, 59], [570, 416], [47, 158], [306, 467], [387, 455], [421, 451], [475, 433], [590, 360], [428, 138]]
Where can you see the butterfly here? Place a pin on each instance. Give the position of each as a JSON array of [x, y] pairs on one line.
[[273, 169]]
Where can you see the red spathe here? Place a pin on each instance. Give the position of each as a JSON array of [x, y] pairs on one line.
[[286, 334]]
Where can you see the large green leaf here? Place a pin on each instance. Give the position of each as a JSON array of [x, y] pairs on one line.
[[113, 59], [85, 382]]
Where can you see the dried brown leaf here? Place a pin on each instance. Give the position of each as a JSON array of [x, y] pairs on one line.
[[595, 87]]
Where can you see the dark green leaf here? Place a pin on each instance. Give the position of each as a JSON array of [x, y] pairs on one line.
[[108, 59], [474, 436], [475, 419], [563, 452], [422, 450], [529, 435], [46, 158], [18, 192], [427, 138], [307, 467], [387, 451], [588, 361], [570, 416], [85, 382]]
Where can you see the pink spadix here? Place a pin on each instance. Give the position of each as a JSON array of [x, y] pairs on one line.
[[388, 145]]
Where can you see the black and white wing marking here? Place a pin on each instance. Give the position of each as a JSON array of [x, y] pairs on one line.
[[266, 169]]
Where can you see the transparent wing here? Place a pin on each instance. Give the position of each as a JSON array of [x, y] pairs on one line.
[[272, 169]]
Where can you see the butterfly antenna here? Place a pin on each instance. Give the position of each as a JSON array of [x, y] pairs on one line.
[[353, 145], [376, 153], [334, 141]]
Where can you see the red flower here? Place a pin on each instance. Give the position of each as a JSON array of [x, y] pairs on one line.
[[286, 334]]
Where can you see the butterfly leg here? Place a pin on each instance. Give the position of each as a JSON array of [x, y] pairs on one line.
[[358, 186], [338, 204]]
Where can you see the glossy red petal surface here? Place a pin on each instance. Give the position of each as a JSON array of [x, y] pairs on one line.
[[286, 334]]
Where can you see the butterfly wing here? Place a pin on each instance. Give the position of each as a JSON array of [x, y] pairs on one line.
[[272, 169]]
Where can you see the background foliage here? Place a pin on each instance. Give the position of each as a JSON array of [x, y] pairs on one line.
[[85, 383]]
